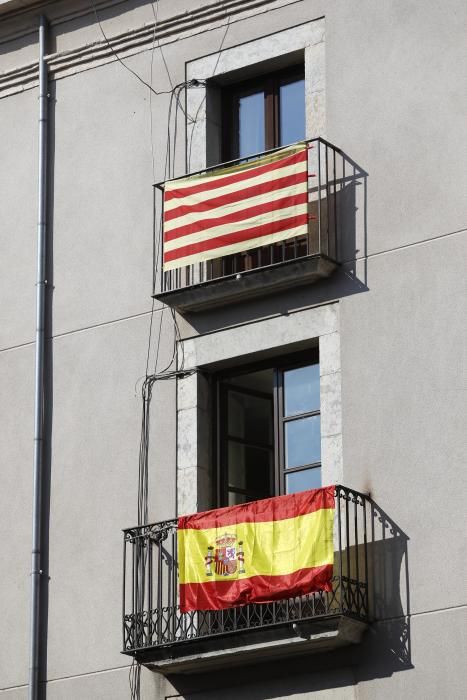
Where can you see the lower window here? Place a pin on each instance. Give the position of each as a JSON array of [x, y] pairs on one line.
[[268, 436]]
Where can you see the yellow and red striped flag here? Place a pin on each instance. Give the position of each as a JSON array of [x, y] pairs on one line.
[[257, 552], [227, 211]]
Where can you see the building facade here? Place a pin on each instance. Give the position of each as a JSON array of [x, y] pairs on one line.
[[335, 356]]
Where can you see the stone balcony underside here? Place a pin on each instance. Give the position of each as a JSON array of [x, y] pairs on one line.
[[306, 637], [249, 285]]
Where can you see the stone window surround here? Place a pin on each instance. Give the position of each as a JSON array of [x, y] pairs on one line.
[[275, 50], [279, 334], [270, 337]]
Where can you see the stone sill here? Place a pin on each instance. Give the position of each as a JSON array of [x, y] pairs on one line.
[[248, 285]]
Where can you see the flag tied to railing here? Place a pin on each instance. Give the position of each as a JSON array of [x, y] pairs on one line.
[[257, 552], [230, 210]]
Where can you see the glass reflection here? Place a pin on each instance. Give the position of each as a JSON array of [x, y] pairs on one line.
[[303, 480], [251, 137], [301, 390], [292, 112], [302, 442]]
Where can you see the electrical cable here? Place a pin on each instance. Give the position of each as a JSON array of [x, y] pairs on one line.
[[219, 50], [141, 552], [125, 65], [134, 677], [143, 481], [168, 172], [177, 358], [178, 355], [155, 12]]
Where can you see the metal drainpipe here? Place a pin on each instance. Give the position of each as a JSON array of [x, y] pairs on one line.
[[41, 283]]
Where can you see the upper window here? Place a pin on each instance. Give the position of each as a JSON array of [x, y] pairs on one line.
[[269, 438], [258, 115], [263, 113]]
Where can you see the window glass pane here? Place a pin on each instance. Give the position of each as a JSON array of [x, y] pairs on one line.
[[256, 381], [249, 468], [236, 498], [301, 390], [292, 112], [251, 124], [303, 480], [250, 418], [302, 441]]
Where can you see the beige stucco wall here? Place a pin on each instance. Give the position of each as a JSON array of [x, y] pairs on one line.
[[395, 103]]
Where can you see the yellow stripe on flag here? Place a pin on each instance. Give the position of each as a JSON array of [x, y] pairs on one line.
[[228, 170], [271, 548]]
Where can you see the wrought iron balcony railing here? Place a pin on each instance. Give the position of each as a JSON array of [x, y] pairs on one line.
[[301, 259], [154, 628]]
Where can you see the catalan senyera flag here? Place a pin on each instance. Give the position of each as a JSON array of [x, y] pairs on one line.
[[256, 552], [229, 210]]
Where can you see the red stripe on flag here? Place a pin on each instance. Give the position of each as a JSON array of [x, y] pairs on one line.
[[237, 237], [217, 595], [204, 224], [214, 181], [265, 510], [236, 196]]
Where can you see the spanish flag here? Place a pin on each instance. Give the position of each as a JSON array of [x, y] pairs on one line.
[[256, 552]]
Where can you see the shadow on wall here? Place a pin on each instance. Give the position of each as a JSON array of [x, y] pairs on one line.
[[384, 650], [386, 647], [345, 230]]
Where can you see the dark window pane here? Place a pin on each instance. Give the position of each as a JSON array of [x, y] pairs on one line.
[[250, 418], [303, 480], [301, 390], [256, 381], [292, 112], [236, 498], [302, 441], [251, 124], [249, 468]]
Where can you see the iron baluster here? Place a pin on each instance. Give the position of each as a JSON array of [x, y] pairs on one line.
[[174, 606], [159, 591], [308, 210], [327, 200], [150, 602], [319, 198], [347, 538], [124, 589], [365, 551], [335, 204], [357, 577], [154, 281], [339, 538], [135, 579]]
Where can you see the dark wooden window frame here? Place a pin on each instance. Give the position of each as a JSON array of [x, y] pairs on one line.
[[270, 84], [224, 389], [279, 366]]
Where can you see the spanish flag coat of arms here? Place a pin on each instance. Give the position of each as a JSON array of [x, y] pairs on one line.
[[256, 552]]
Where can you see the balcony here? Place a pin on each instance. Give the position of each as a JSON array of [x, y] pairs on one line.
[[258, 270], [156, 633]]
